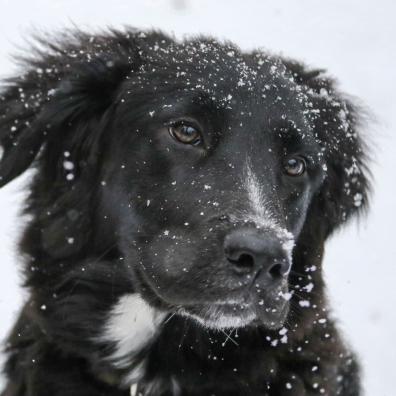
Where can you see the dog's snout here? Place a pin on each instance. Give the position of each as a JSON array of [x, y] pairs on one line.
[[249, 251]]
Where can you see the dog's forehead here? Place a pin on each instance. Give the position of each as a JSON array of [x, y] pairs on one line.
[[221, 71]]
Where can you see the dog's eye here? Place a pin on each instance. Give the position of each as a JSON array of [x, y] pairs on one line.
[[185, 133], [295, 166]]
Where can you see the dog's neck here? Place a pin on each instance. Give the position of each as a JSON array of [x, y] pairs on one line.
[[145, 339]]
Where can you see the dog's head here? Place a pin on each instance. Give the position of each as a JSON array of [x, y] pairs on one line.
[[211, 172]]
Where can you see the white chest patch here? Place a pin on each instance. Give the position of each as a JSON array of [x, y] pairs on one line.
[[131, 325]]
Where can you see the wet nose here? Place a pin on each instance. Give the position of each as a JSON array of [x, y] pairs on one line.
[[250, 251]]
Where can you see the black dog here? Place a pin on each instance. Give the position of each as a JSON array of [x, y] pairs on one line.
[[182, 196]]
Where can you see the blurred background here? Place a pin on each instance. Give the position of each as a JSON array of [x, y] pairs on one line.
[[355, 40]]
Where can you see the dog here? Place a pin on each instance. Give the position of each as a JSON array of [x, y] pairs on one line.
[[181, 198]]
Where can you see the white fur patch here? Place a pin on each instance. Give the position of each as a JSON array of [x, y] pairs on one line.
[[133, 390], [261, 213], [256, 197], [131, 325]]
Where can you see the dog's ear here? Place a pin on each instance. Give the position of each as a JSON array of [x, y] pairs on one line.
[[338, 125], [62, 83]]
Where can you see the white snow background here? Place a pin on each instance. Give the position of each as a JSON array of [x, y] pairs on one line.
[[356, 41]]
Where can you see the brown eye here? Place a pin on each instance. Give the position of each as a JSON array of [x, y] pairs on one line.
[[185, 133], [295, 166]]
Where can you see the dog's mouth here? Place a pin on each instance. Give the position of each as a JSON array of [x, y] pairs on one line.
[[227, 291], [269, 311], [250, 305]]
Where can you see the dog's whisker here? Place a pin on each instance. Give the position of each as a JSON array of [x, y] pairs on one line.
[[228, 337], [186, 327], [170, 317]]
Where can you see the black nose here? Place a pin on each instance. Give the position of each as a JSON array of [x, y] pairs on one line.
[[250, 251]]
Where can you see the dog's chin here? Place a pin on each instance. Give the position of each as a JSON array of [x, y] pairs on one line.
[[232, 315], [268, 310]]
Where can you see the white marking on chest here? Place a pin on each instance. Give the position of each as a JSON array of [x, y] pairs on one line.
[[133, 390], [131, 325]]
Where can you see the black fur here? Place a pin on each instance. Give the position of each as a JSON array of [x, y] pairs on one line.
[[96, 232]]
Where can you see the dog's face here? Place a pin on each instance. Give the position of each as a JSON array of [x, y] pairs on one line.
[[212, 180], [212, 165]]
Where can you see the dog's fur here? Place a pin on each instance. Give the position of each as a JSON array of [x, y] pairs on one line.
[[129, 291]]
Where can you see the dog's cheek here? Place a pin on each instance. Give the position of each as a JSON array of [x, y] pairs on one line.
[[181, 269], [172, 269]]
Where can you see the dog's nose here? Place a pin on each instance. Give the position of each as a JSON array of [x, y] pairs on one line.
[[250, 251]]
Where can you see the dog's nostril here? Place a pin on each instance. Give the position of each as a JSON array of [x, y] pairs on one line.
[[276, 270], [244, 263]]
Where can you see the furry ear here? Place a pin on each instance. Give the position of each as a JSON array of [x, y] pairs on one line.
[[337, 123], [64, 82]]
